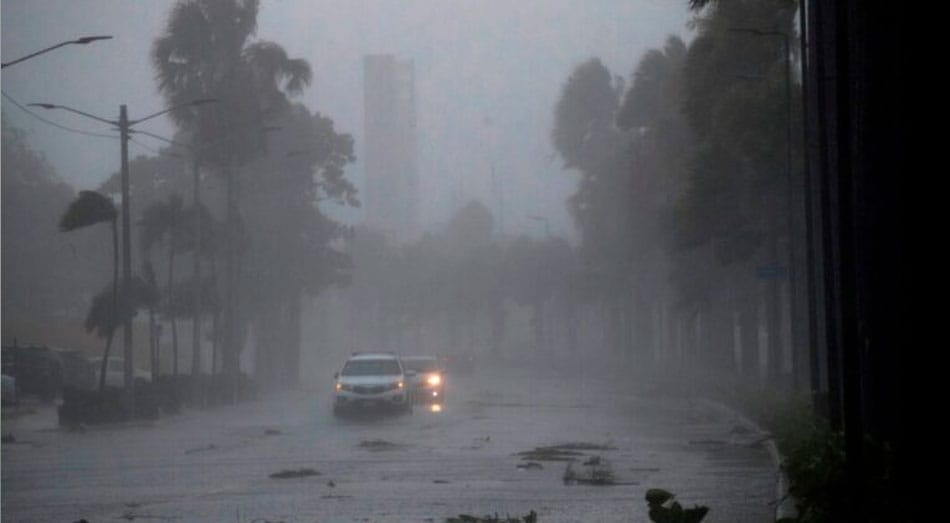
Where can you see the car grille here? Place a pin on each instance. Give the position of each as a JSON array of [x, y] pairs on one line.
[[366, 389]]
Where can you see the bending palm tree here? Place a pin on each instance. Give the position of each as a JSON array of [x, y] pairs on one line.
[[159, 220], [104, 316], [90, 208]]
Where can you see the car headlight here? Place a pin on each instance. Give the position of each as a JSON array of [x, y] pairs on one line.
[[399, 385], [343, 387], [434, 380]]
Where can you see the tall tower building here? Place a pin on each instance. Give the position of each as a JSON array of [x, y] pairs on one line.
[[389, 126]]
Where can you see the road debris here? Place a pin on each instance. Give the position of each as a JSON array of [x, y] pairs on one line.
[[202, 449], [599, 474], [554, 453], [531, 517], [530, 465], [298, 473], [378, 445]]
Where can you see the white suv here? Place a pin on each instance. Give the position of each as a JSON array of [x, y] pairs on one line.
[[371, 380]]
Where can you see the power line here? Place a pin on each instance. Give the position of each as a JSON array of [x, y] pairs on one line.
[[143, 146], [162, 138], [54, 124]]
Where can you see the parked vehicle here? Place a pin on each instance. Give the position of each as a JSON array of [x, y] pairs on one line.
[[428, 383], [37, 370], [375, 380], [78, 371], [8, 394], [115, 372]]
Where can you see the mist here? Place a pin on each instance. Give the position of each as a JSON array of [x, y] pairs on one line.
[[419, 260]]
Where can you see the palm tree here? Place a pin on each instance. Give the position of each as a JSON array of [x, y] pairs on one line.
[[90, 208], [148, 273], [106, 315], [207, 51], [161, 220], [200, 296]]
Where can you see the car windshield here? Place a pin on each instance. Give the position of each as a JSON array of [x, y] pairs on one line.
[[371, 368]]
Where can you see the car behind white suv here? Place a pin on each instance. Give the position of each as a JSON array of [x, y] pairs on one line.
[[371, 380]]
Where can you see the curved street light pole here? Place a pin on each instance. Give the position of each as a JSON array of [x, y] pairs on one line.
[[79, 41], [124, 125]]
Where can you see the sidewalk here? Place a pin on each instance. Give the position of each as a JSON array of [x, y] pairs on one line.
[[785, 505]]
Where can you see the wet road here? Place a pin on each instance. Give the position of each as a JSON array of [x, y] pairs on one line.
[[215, 465]]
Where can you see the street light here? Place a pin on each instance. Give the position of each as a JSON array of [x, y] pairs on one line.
[[124, 125], [79, 41]]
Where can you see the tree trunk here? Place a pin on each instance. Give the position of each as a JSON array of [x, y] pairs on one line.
[[171, 298], [292, 360], [115, 303], [196, 262], [153, 344]]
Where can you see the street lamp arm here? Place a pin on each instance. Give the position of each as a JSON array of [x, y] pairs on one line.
[[79, 41], [169, 109], [76, 111], [89, 39]]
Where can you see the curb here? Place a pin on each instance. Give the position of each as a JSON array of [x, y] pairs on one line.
[[785, 504]]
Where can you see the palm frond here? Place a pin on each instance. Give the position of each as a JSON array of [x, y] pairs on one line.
[[103, 319]]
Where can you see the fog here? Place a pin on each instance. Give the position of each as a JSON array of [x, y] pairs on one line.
[[559, 201], [487, 76]]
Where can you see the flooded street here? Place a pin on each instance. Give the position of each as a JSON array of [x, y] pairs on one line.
[[469, 458]]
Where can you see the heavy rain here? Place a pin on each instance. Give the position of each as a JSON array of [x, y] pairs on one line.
[[455, 261]]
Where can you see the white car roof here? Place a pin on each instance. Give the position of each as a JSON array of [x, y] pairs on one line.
[[373, 356]]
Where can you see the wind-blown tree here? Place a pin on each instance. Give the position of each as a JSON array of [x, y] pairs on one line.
[[587, 138], [106, 314], [201, 234], [161, 222], [148, 276], [536, 271], [90, 208], [207, 51], [659, 142], [303, 169], [737, 200]]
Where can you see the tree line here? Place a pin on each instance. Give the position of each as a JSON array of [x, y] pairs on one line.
[[230, 229], [685, 194]]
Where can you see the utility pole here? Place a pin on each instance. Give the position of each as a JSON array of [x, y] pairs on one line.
[[125, 128], [128, 353]]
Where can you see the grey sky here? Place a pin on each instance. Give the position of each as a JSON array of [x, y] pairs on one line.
[[488, 74]]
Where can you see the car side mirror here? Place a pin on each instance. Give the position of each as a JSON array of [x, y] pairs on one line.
[[336, 375]]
